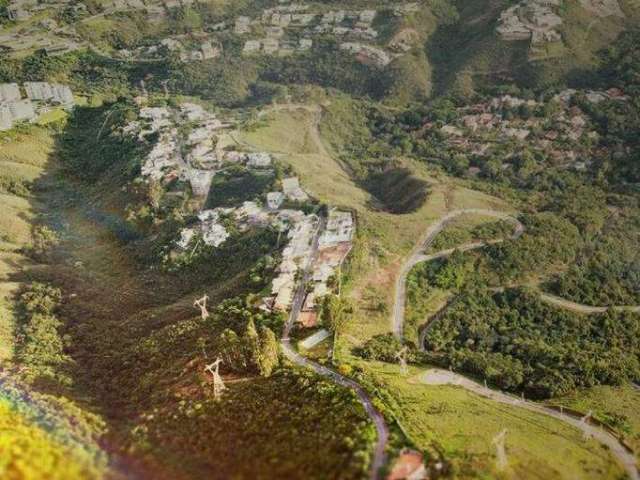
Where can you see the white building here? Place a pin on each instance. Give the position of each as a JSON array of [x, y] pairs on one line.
[[258, 160], [292, 190], [274, 200], [47, 92], [242, 25], [340, 228], [251, 46], [9, 92], [305, 43]]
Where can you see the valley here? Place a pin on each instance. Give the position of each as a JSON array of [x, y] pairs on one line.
[[267, 239]]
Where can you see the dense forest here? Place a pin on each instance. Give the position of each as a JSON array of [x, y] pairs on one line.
[[519, 343]]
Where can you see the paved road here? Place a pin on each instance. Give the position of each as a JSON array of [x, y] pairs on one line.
[[418, 256], [379, 454], [436, 376]]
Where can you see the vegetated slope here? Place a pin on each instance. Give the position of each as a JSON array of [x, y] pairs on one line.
[[42, 436], [41, 440], [121, 335], [459, 428], [497, 337], [352, 130], [470, 53]]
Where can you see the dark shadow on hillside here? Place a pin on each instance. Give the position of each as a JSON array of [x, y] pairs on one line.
[[471, 44], [396, 190], [116, 296]]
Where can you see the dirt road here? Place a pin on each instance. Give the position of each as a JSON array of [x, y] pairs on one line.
[[436, 376]]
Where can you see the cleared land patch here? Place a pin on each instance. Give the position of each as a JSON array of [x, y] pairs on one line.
[[463, 425]]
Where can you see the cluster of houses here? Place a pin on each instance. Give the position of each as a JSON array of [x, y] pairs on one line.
[[289, 28], [45, 35], [38, 97], [564, 138], [198, 46], [187, 154], [539, 22], [334, 245], [533, 20], [19, 10]]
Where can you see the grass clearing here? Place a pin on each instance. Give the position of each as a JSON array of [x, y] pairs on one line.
[[23, 155], [618, 407], [464, 424]]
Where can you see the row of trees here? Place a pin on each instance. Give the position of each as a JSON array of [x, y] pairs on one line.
[[256, 350]]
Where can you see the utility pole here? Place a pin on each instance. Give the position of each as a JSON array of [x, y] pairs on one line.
[[586, 434], [218, 384], [402, 358], [201, 303], [501, 454]]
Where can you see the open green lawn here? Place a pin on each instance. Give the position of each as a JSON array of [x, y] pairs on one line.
[[463, 426], [618, 407]]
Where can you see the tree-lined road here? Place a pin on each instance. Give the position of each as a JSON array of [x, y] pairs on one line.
[[418, 256]]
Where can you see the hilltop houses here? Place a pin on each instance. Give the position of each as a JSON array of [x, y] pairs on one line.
[[40, 96]]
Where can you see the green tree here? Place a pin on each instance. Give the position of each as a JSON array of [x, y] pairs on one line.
[[232, 350], [335, 311], [268, 358], [251, 344]]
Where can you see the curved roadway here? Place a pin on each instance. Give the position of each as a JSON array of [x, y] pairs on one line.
[[417, 255], [379, 453], [436, 376]]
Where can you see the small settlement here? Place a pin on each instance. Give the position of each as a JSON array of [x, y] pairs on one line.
[[564, 139], [47, 34], [187, 147], [194, 156], [197, 46], [293, 27], [539, 22], [26, 103]]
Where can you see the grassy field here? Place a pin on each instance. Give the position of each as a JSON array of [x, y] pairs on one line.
[[615, 406], [22, 159], [462, 426]]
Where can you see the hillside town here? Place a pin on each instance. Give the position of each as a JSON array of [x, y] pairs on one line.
[[563, 137], [292, 27], [194, 155], [539, 22], [186, 156], [24, 104]]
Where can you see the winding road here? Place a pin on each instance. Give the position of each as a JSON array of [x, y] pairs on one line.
[[417, 255], [379, 454], [436, 376]]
